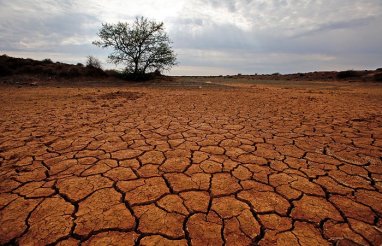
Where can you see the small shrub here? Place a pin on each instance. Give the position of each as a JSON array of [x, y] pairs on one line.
[[378, 77], [113, 73], [275, 74], [157, 72], [379, 69], [47, 61], [139, 77], [94, 72], [5, 70], [30, 69], [50, 71], [79, 64], [347, 74], [70, 73], [60, 67]]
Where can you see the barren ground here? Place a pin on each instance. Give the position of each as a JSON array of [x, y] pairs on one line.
[[296, 164]]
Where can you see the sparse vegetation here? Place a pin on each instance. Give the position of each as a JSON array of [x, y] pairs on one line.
[[10, 66], [5, 70], [142, 46]]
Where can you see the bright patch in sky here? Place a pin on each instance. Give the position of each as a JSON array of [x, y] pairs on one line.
[[211, 37]]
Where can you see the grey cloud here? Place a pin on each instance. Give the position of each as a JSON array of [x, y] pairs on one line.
[[348, 24], [43, 31], [184, 22], [230, 5], [232, 35], [213, 36]]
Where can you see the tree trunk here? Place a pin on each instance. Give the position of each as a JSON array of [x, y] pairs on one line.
[[136, 68]]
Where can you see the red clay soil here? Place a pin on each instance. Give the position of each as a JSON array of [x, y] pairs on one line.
[[165, 166]]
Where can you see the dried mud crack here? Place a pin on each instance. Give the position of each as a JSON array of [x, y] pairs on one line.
[[176, 166]]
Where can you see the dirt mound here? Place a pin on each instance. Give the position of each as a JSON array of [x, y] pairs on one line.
[[10, 66]]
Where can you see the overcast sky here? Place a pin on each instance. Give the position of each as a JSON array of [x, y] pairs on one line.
[[211, 37]]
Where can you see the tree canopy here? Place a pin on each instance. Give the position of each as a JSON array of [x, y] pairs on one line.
[[142, 46]]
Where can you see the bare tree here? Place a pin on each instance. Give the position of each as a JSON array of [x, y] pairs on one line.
[[92, 61], [142, 46]]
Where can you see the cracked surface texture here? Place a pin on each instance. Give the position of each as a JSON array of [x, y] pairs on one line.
[[244, 165]]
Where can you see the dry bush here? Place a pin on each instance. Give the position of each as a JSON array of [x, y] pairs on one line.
[[347, 74], [5, 70], [93, 62], [378, 76]]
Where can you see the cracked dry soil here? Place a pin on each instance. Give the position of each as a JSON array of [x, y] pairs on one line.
[[162, 166]]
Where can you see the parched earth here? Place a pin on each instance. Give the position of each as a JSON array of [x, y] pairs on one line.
[[198, 166]]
